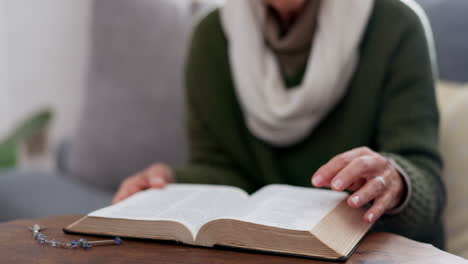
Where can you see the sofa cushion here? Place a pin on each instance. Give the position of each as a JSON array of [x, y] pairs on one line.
[[133, 107], [28, 194], [453, 100]]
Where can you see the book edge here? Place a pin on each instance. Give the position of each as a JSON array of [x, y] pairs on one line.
[[73, 228], [321, 233], [241, 249]]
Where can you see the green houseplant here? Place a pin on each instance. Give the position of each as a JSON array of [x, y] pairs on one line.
[[31, 127]]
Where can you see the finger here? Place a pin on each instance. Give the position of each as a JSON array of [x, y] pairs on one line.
[[358, 169], [370, 191], [325, 173], [130, 186], [121, 195], [379, 207], [117, 198], [158, 176], [357, 185], [157, 180], [397, 188], [138, 182]]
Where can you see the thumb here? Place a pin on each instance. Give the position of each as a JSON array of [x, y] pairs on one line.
[[157, 181], [159, 175]]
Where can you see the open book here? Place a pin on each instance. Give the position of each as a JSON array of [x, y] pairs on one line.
[[277, 218]]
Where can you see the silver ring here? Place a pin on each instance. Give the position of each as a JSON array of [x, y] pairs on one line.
[[381, 180]]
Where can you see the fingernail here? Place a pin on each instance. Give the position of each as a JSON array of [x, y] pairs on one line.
[[371, 217], [157, 181], [355, 200], [317, 180], [337, 184]]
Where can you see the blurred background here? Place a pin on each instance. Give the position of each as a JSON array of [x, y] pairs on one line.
[[44, 57], [91, 91]]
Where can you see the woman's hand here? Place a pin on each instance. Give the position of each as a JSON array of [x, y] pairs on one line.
[[369, 175], [156, 176]]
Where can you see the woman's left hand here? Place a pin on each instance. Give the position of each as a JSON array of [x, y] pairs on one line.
[[370, 175]]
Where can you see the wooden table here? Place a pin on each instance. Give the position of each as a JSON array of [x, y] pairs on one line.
[[17, 246]]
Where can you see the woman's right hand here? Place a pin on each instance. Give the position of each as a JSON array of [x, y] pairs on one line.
[[156, 176]]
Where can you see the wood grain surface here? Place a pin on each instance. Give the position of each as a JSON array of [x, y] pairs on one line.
[[18, 246]]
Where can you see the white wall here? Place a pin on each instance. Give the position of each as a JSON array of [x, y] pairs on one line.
[[47, 56], [4, 107]]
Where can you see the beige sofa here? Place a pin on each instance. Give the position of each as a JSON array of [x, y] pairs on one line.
[[453, 103]]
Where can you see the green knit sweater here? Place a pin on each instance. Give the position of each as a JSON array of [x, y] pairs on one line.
[[389, 106]]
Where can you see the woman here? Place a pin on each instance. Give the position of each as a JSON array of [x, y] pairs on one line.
[[335, 93]]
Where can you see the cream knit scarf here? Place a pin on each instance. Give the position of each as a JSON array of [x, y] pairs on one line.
[[273, 113]]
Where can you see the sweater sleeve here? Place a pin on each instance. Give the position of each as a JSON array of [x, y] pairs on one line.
[[209, 162], [408, 133]]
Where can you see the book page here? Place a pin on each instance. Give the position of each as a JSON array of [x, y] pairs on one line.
[[290, 207], [189, 204]]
